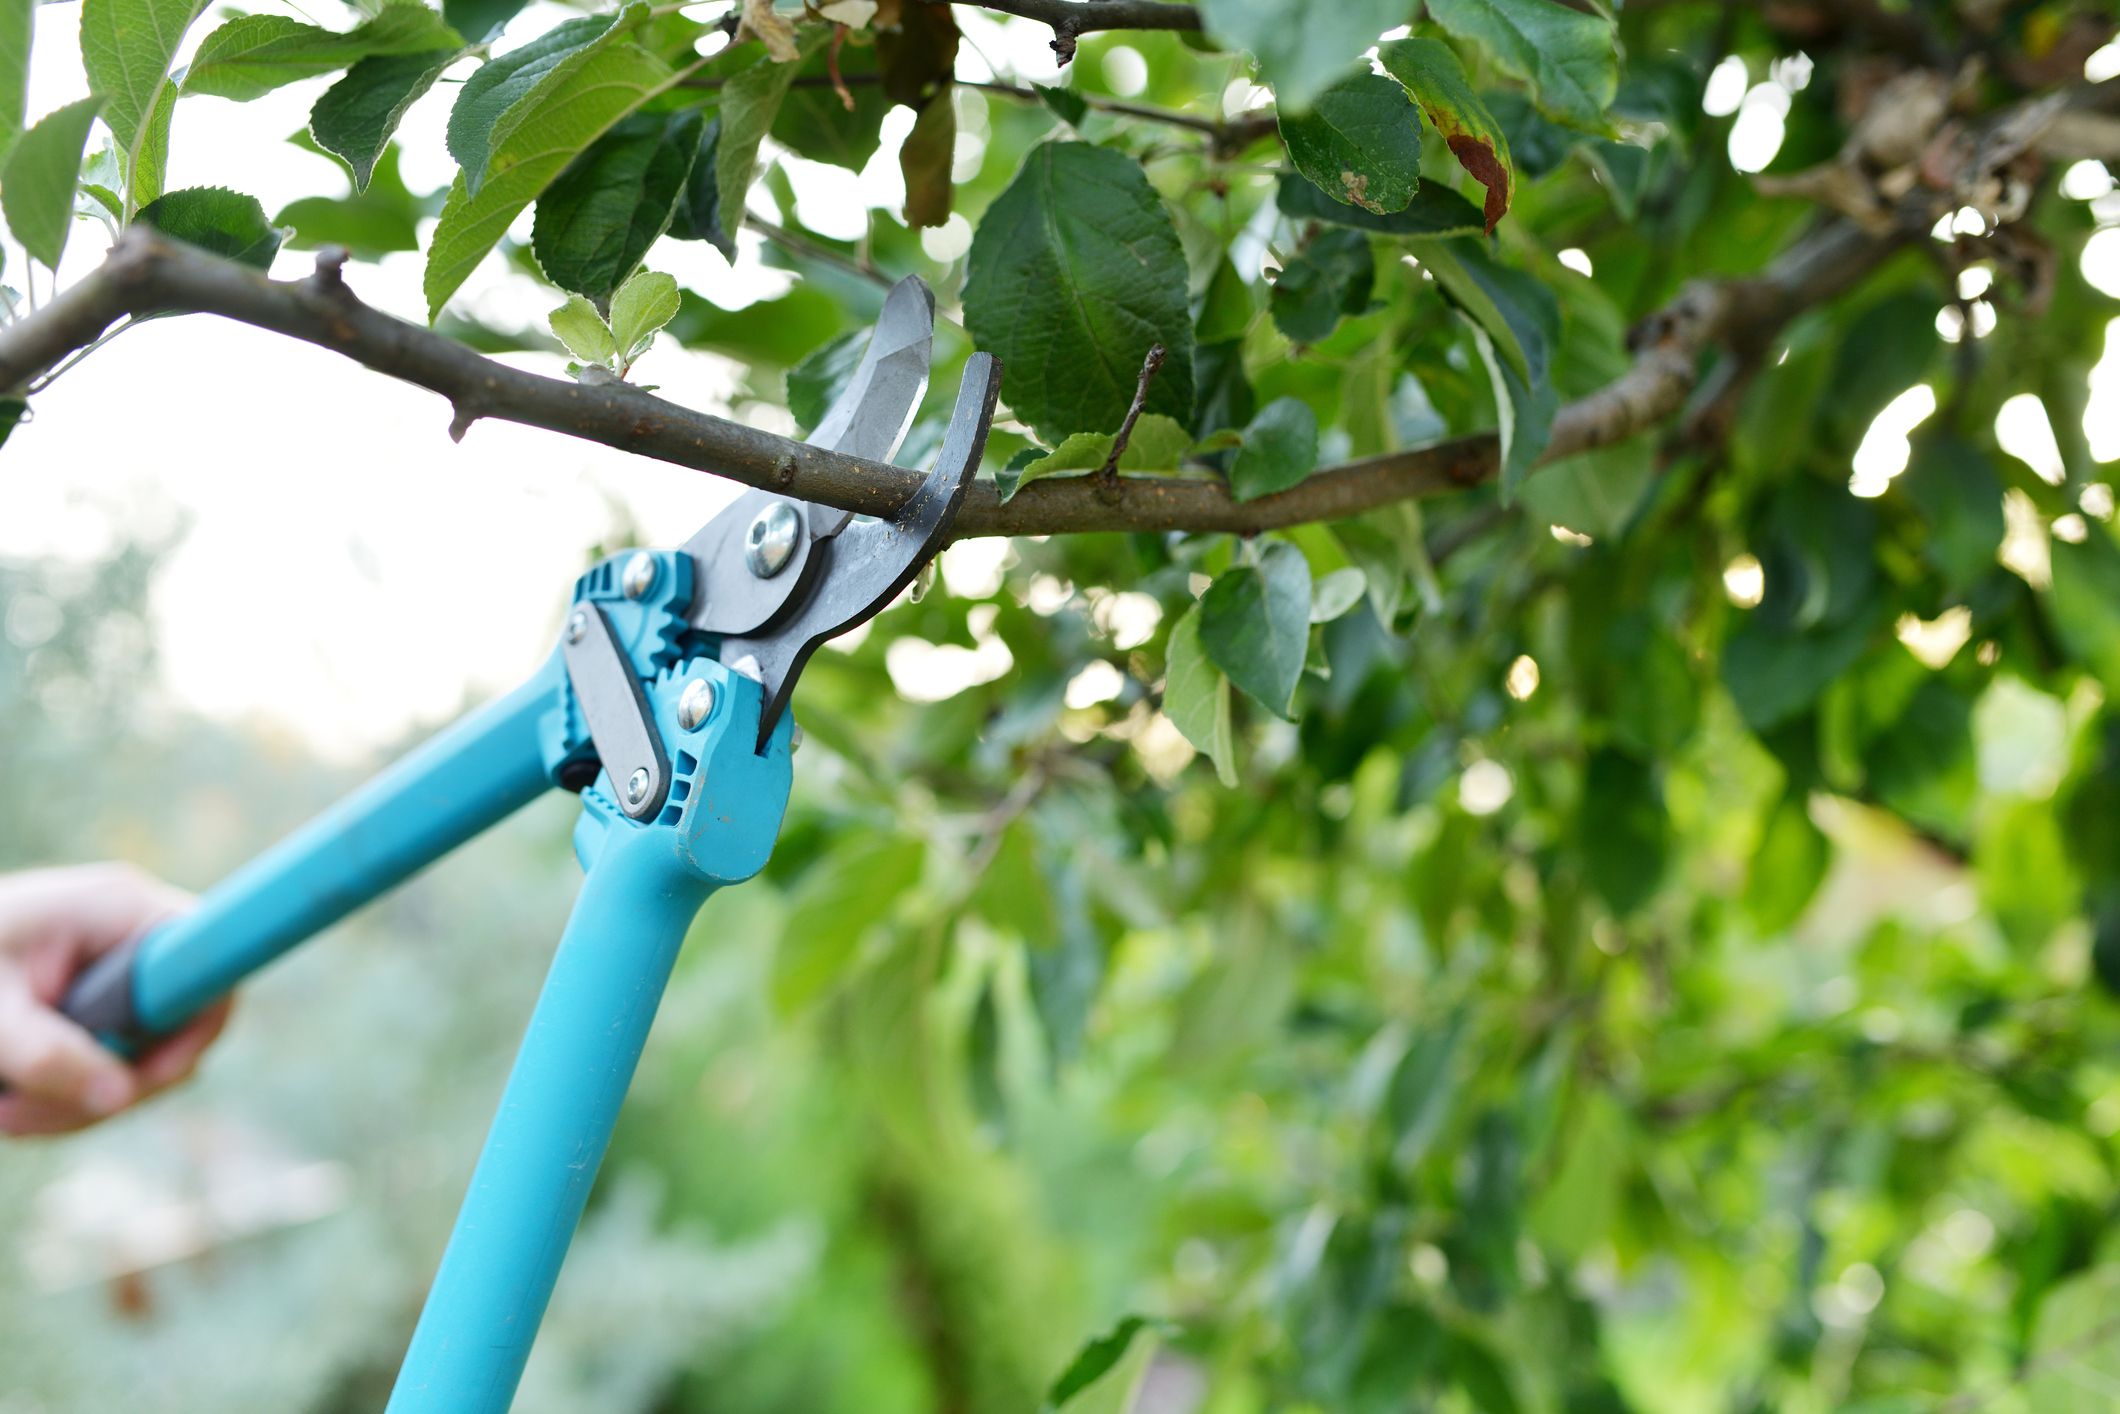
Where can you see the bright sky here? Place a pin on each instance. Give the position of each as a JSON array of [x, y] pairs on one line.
[[343, 571]]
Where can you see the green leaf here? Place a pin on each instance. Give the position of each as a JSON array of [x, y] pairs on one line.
[[1435, 210], [252, 55], [837, 902], [1424, 1090], [1917, 752], [1569, 57], [370, 223], [368, 229], [774, 333], [1523, 412], [749, 103], [1097, 1359], [584, 332], [563, 118], [1883, 351], [2084, 602], [1622, 830], [1158, 443], [1255, 624], [1516, 323], [1065, 104], [642, 305], [1587, 1187], [1074, 271], [228, 223], [1279, 450], [126, 47], [812, 121], [479, 20], [102, 186], [16, 26], [1520, 314], [1959, 494], [1625, 171], [488, 96], [1386, 545], [1535, 146], [1224, 396], [1432, 74], [2073, 1365], [1302, 47], [1360, 143], [1227, 307], [1773, 674], [37, 187], [1196, 697], [356, 116], [598, 218], [1787, 867], [1330, 277], [149, 165], [816, 382], [697, 216], [1595, 492], [1013, 894], [1337, 593]]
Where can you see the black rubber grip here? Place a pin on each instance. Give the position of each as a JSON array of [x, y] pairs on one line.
[[101, 998]]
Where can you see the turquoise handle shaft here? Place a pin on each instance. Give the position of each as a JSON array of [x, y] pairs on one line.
[[477, 772], [645, 882], [554, 1123]]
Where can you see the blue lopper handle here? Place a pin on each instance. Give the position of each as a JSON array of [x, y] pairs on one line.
[[475, 773]]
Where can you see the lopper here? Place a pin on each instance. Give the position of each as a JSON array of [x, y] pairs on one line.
[[665, 706]]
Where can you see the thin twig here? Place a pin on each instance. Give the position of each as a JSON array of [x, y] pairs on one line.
[[1150, 367], [1227, 136], [802, 245], [831, 63], [51, 376]]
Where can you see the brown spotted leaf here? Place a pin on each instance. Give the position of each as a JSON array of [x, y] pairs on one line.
[[1435, 78], [1360, 142], [925, 160]]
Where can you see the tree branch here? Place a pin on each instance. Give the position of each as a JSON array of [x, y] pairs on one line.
[[145, 274], [1072, 19], [1742, 314]]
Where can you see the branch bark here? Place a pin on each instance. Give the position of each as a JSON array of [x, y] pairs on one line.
[[1071, 19], [145, 274]]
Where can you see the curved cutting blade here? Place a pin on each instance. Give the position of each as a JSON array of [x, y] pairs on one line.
[[872, 415], [871, 560], [870, 418]]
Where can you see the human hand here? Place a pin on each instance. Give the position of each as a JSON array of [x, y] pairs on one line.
[[53, 923]]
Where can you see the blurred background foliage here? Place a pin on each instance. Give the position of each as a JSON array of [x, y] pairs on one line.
[[1667, 964]]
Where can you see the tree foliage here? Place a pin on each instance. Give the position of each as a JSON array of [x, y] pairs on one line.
[[1635, 931]]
